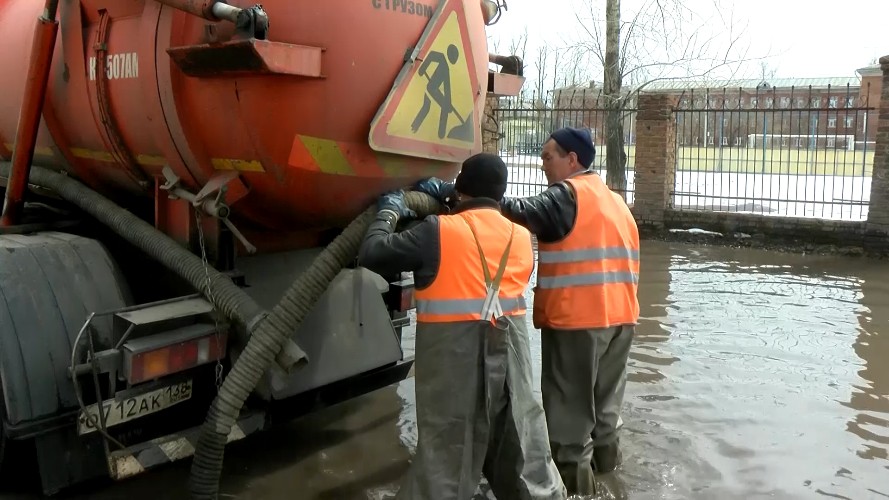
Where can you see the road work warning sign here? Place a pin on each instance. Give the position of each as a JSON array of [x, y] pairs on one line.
[[430, 112]]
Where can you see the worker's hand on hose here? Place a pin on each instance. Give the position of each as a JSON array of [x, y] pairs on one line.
[[442, 191], [394, 202]]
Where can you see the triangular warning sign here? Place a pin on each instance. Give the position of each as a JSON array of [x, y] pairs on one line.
[[431, 110]]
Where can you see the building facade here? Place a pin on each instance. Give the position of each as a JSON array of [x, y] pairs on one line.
[[822, 113]]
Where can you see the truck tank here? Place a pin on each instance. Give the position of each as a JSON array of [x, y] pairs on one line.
[[186, 183], [291, 116]]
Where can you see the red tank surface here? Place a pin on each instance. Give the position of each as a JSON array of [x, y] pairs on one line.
[[304, 118]]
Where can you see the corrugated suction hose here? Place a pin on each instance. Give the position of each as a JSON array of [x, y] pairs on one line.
[[231, 300], [266, 342], [269, 332]]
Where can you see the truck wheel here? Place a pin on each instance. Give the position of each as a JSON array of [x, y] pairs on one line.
[[49, 284]]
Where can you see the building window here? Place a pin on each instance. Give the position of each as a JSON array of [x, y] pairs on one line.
[[784, 141], [850, 101], [785, 102], [831, 123], [816, 101], [770, 102], [831, 142], [850, 122], [800, 102], [737, 141], [725, 141], [753, 102], [833, 102]]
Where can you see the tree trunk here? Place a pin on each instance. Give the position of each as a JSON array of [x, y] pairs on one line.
[[615, 157]]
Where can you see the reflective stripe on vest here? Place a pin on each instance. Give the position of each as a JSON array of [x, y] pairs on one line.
[[588, 255], [603, 278], [458, 291], [590, 278], [557, 256], [510, 305]]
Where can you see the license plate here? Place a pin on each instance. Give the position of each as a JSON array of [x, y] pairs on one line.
[[118, 411]]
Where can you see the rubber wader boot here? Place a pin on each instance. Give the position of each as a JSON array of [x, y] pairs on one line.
[[606, 458]]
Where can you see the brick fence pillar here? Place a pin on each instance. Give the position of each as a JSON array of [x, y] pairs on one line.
[[491, 126], [878, 212], [655, 158]]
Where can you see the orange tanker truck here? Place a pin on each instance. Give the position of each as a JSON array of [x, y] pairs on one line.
[[185, 186]]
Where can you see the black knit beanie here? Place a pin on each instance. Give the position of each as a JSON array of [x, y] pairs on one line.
[[577, 141], [482, 175]]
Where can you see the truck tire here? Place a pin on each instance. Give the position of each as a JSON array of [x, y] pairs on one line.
[[49, 284]]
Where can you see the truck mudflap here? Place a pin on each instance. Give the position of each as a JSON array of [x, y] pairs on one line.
[[135, 460]]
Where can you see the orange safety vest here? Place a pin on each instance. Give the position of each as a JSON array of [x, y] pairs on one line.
[[590, 278], [459, 289]]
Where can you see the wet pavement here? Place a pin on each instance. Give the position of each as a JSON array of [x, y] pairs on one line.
[[753, 375]]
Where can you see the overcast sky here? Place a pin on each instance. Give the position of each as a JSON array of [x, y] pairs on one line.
[[806, 38]]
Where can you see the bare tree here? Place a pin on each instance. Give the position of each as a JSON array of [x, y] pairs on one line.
[[662, 40], [540, 62], [768, 72], [615, 157], [518, 46]]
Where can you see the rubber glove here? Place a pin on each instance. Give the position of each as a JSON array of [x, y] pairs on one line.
[[394, 202], [442, 191]]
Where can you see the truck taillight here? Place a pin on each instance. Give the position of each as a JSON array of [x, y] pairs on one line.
[[166, 360]]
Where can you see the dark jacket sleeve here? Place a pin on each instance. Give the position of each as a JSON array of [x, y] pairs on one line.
[[549, 215], [416, 249]]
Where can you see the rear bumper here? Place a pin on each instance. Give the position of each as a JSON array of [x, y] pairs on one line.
[[141, 457], [65, 458]]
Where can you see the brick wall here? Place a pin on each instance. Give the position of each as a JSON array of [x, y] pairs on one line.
[[818, 231], [878, 214], [490, 127], [655, 157]]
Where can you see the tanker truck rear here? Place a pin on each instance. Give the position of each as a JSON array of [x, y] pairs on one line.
[[185, 186]]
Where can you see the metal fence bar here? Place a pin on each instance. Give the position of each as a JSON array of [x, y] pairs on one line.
[[525, 125], [770, 151]]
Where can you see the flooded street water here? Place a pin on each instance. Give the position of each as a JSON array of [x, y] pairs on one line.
[[758, 374], [753, 375]]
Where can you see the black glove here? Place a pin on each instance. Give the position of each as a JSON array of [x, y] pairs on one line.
[[394, 202], [442, 191]]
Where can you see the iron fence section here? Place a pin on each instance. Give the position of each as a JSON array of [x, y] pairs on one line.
[[524, 126], [785, 152]]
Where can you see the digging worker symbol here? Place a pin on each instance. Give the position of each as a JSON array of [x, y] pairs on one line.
[[439, 90]]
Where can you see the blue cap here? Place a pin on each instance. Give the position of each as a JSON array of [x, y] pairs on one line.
[[578, 141]]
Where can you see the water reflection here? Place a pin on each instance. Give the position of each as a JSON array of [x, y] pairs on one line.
[[647, 356], [870, 396]]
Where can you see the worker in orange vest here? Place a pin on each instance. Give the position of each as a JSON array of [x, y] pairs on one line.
[[476, 412], [585, 302]]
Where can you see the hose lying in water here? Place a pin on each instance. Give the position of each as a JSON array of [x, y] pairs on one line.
[[263, 345], [227, 297]]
